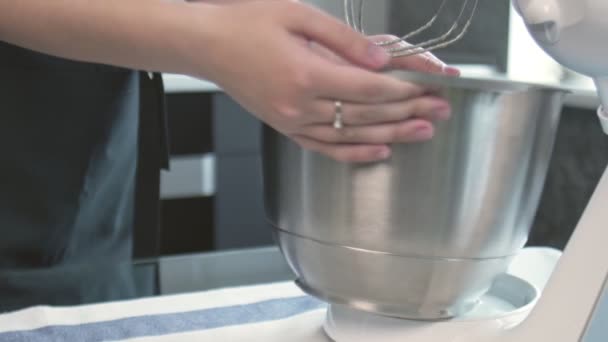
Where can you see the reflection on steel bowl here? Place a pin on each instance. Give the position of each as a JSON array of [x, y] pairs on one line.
[[424, 234]]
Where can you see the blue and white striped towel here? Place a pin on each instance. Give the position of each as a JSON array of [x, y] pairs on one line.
[[273, 312]]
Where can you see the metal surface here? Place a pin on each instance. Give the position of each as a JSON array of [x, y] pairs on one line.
[[400, 47], [422, 235]]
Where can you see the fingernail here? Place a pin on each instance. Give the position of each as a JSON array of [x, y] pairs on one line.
[[378, 55], [423, 133], [383, 153], [451, 71], [443, 112]]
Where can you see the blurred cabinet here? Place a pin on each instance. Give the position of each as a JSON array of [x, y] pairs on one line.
[[579, 159], [239, 202], [212, 196], [188, 188], [486, 41]]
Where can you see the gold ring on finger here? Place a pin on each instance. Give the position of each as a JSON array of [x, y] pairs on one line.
[[338, 123]]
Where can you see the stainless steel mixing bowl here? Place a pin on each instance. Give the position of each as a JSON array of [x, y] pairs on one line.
[[424, 234]]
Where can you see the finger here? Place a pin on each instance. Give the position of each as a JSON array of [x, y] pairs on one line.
[[338, 37], [324, 52], [424, 62], [351, 84], [408, 131], [346, 152], [427, 107]]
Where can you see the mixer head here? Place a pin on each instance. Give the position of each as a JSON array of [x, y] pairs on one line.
[[403, 45], [573, 32]]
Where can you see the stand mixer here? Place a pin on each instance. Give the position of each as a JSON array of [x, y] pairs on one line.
[[552, 301], [572, 32]]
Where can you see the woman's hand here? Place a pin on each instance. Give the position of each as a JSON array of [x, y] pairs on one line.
[[258, 51], [267, 57]]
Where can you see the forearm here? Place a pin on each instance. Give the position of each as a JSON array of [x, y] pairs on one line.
[[139, 34]]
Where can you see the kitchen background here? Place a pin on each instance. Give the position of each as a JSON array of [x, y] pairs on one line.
[[212, 197]]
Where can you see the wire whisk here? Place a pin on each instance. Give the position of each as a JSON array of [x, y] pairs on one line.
[[401, 46]]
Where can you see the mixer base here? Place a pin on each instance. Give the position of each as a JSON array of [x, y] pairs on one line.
[[506, 305]]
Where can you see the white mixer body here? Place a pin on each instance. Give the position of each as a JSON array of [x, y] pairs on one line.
[[603, 119], [352, 328], [573, 32]]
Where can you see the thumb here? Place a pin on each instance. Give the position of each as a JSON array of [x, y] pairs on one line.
[[338, 37]]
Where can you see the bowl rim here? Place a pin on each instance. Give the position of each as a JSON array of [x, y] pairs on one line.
[[496, 82]]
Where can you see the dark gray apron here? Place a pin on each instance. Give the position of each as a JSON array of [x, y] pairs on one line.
[[78, 164]]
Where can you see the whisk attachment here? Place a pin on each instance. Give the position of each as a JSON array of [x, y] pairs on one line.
[[401, 47]]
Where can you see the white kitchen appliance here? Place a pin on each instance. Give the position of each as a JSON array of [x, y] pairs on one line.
[[558, 300]]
